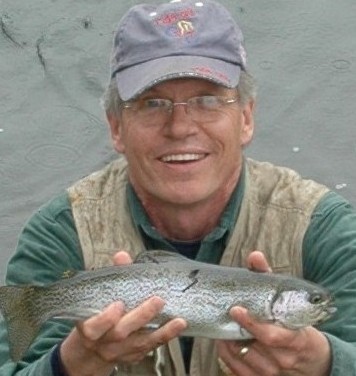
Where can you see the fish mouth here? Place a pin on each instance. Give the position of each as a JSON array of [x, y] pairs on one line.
[[331, 310], [326, 311], [329, 306], [183, 158]]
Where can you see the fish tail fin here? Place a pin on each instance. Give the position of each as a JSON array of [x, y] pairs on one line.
[[21, 316]]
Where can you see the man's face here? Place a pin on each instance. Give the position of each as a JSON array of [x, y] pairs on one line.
[[180, 161]]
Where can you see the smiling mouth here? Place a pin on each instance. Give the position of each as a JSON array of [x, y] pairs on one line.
[[182, 158]]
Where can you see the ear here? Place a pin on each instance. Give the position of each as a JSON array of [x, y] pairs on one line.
[[115, 123], [248, 123]]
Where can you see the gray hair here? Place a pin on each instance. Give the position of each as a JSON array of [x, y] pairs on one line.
[[247, 88], [111, 101]]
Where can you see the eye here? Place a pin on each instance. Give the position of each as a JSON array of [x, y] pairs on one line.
[[316, 299], [155, 103], [208, 101]]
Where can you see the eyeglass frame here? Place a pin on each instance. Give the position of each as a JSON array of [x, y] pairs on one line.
[[169, 108]]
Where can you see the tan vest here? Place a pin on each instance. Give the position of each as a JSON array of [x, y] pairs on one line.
[[274, 216]]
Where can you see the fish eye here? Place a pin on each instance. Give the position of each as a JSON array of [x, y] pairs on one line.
[[315, 299]]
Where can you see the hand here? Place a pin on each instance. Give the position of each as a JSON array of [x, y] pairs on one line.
[[114, 336], [275, 350]]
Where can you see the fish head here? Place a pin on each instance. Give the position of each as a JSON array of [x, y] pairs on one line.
[[296, 309]]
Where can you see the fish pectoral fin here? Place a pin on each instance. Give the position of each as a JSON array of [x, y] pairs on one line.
[[76, 313], [159, 256], [232, 330]]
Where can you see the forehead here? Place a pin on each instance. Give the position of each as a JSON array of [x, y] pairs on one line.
[[189, 86]]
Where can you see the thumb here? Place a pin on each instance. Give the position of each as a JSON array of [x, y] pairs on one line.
[[257, 261], [122, 258]]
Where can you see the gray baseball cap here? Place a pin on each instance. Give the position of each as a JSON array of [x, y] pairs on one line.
[[179, 39]]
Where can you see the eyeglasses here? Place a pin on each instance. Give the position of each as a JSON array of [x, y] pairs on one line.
[[206, 108]]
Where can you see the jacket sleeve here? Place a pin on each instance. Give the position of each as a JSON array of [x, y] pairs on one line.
[[48, 246], [329, 258]]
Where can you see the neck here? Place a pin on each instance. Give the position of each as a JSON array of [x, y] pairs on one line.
[[191, 222]]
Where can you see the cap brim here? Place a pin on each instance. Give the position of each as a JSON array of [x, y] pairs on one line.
[[134, 80]]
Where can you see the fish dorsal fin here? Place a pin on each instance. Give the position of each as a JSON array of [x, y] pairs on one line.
[[159, 256]]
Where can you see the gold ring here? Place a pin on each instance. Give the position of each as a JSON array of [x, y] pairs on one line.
[[243, 352], [226, 370]]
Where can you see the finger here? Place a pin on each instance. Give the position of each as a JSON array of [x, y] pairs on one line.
[[253, 362], [141, 342], [256, 261], [138, 318], [122, 258], [96, 326], [145, 341], [168, 331], [229, 361], [265, 332]]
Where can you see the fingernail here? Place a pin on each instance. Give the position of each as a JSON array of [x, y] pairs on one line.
[[119, 306], [159, 302], [238, 310], [182, 324]]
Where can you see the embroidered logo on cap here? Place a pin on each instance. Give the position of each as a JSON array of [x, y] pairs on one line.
[[174, 17], [177, 24], [185, 27]]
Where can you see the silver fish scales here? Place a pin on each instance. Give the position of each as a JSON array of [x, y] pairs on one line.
[[200, 293]]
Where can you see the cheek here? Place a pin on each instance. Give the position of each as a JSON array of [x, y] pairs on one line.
[[230, 132], [135, 142], [120, 135]]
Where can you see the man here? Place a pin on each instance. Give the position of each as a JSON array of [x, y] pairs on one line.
[[180, 107]]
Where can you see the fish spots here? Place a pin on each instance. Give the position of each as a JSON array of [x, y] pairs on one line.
[[144, 257]]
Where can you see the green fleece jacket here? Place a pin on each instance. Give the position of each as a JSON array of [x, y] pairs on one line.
[[49, 246]]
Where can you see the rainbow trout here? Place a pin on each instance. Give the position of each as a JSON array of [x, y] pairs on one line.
[[200, 293]]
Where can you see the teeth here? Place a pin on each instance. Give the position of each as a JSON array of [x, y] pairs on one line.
[[182, 157]]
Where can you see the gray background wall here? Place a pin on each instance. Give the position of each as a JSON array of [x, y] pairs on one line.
[[54, 58]]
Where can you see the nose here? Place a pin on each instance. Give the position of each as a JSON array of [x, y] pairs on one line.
[[183, 104], [179, 124]]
